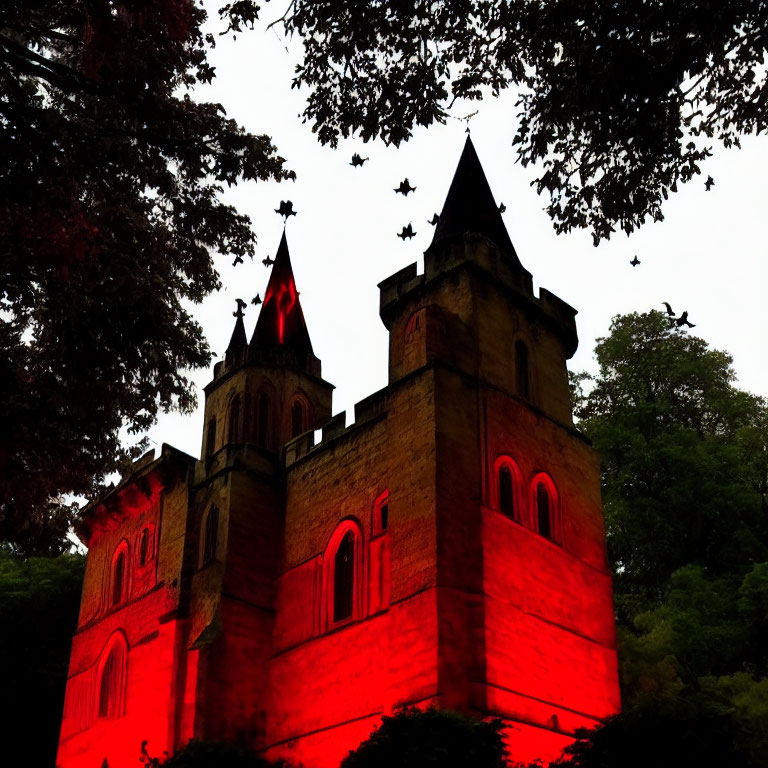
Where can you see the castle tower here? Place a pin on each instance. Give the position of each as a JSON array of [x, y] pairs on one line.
[[262, 394], [462, 559]]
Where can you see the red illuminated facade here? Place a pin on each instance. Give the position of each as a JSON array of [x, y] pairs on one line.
[[447, 547]]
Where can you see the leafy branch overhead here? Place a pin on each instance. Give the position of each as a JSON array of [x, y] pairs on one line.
[[110, 209], [618, 100]]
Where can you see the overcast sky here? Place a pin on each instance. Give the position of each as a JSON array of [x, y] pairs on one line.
[[707, 257]]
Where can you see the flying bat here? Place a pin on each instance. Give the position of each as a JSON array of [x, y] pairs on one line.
[[285, 209], [502, 207], [407, 232], [238, 260], [433, 221], [357, 160], [267, 262], [405, 187], [709, 183], [256, 300], [669, 308], [635, 261]]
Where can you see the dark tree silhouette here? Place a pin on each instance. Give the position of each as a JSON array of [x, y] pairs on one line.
[[109, 209], [619, 99]]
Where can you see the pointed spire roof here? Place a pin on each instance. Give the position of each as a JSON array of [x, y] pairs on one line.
[[470, 207], [239, 341], [281, 322]]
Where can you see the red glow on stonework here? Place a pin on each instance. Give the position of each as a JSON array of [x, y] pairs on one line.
[[286, 300]]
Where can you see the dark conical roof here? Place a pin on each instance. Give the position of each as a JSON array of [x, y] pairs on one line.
[[238, 341], [470, 207], [281, 322]]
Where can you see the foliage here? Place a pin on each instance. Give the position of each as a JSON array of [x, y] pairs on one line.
[[667, 735], [216, 754], [412, 738], [109, 207], [619, 100], [39, 603], [685, 457]]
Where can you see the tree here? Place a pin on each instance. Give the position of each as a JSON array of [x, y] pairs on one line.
[[685, 457], [619, 100], [412, 738], [110, 208], [666, 736], [39, 603]]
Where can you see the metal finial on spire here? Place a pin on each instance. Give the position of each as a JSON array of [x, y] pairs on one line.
[[285, 209], [466, 120], [241, 305]]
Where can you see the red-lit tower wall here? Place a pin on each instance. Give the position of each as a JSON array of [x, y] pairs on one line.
[[129, 662]]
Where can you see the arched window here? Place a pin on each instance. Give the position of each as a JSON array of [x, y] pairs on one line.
[[119, 580], [233, 433], [210, 440], [543, 511], [546, 510], [112, 679], [146, 544], [522, 373], [211, 536], [262, 420], [344, 578], [298, 421], [506, 492], [506, 495]]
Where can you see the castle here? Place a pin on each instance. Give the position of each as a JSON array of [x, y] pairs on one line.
[[447, 547]]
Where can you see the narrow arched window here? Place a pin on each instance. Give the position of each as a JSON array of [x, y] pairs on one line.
[[118, 578], [145, 546], [234, 420], [344, 578], [262, 420], [544, 510], [297, 418], [210, 442], [112, 683], [506, 492], [211, 536], [522, 374]]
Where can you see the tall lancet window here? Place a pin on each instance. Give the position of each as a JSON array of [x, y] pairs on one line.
[[522, 372], [506, 492], [544, 510], [112, 680], [234, 420], [211, 536], [262, 420], [344, 578], [297, 418]]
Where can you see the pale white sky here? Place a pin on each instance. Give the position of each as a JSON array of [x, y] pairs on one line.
[[708, 257]]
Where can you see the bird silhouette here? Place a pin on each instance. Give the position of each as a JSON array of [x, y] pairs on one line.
[[285, 209], [256, 300], [709, 183], [241, 305], [669, 309], [407, 232], [238, 260], [683, 320], [405, 187], [433, 221], [502, 207], [635, 261], [267, 262], [357, 160]]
